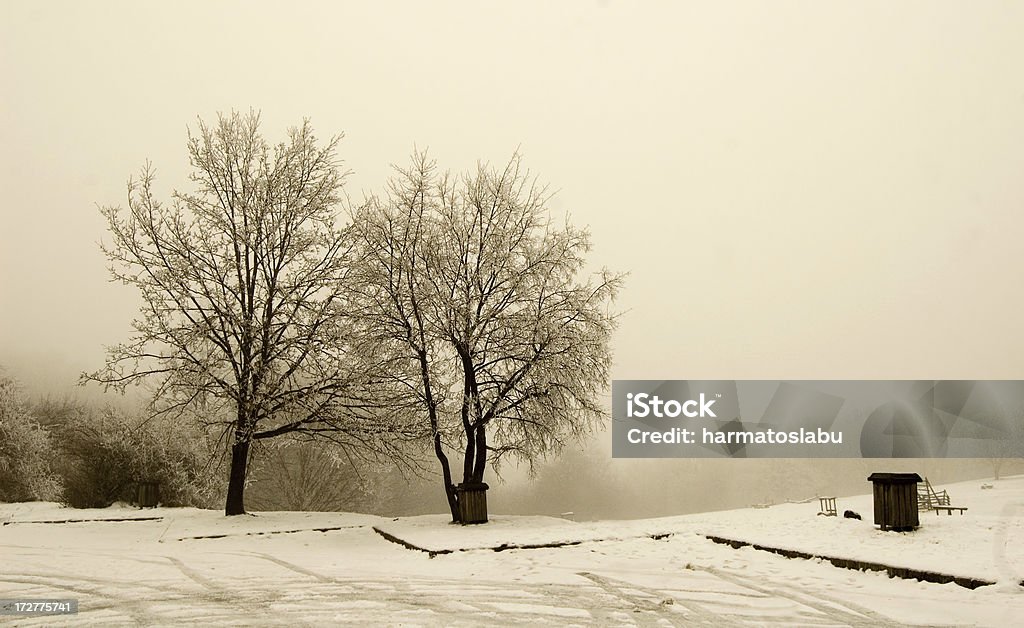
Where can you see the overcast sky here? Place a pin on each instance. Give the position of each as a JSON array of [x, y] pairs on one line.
[[799, 189]]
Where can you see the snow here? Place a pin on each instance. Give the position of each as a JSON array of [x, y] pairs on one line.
[[985, 542], [435, 533], [335, 568]]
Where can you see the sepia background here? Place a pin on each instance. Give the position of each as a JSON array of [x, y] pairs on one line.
[[799, 190]]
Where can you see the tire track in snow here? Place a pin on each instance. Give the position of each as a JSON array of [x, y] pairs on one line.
[[130, 606], [57, 580], [193, 575], [697, 616], [292, 566], [846, 613], [219, 594]]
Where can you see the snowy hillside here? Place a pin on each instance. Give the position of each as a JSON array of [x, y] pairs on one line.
[[163, 566]]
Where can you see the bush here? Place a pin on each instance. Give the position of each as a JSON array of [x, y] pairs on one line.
[[305, 476], [314, 476], [104, 454], [25, 450]]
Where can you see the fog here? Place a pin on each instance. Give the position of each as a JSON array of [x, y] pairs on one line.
[[799, 190]]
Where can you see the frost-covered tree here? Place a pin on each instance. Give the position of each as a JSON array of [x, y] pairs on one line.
[[243, 283], [502, 341], [25, 450]]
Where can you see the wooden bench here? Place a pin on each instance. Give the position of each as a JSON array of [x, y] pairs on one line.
[[827, 506], [949, 509]]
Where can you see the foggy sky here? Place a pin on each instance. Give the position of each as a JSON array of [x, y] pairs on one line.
[[799, 189]]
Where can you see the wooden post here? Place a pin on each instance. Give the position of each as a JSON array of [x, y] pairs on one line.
[[472, 502], [148, 494]]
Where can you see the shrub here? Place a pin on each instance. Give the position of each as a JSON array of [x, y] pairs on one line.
[[104, 454], [25, 450], [305, 476]]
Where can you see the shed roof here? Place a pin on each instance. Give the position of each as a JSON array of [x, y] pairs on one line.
[[894, 478]]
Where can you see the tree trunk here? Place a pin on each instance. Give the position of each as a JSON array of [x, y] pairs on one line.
[[469, 457], [469, 401], [446, 472], [481, 454], [469, 454], [446, 477], [236, 480]]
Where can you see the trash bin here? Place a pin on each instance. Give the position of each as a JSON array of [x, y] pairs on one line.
[[148, 494], [472, 502], [896, 500]]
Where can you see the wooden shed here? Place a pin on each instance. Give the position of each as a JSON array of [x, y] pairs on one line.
[[896, 500]]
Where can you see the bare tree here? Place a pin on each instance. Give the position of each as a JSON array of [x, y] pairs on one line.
[[243, 283], [501, 344]]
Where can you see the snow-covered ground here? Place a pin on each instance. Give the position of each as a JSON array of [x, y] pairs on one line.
[[177, 565]]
